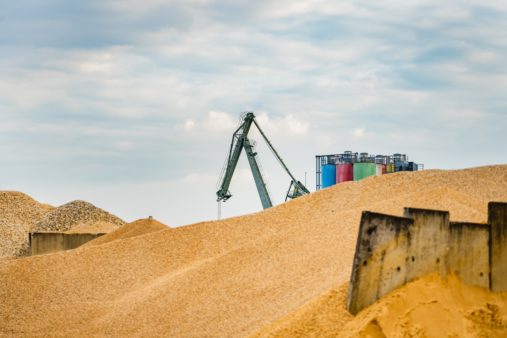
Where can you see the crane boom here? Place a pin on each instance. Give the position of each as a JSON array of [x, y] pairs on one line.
[[259, 181], [299, 188], [239, 141]]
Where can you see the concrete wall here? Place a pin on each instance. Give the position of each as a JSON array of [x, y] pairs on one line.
[[497, 218], [468, 255], [391, 251], [380, 258], [46, 242], [429, 239]]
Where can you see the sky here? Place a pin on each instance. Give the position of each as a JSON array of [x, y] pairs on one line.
[[131, 105]]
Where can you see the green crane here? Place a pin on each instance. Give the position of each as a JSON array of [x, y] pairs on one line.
[[239, 142]]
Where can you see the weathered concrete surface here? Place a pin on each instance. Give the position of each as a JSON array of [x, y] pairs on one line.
[[429, 238], [46, 242], [391, 251], [497, 218], [468, 255], [380, 258]]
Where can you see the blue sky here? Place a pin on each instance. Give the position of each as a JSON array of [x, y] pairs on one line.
[[131, 104]]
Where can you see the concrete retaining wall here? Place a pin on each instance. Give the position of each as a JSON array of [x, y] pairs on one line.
[[429, 239], [379, 261], [497, 218], [391, 251], [468, 255], [46, 242]]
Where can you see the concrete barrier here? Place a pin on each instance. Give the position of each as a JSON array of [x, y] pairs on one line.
[[497, 218], [391, 251], [46, 242], [380, 258], [429, 237], [468, 255]]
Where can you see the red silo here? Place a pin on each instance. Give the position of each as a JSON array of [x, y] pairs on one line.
[[344, 172]]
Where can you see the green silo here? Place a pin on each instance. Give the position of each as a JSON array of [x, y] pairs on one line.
[[363, 170]]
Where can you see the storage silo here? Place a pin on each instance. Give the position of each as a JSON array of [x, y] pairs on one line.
[[344, 172], [328, 175], [363, 170], [390, 168]]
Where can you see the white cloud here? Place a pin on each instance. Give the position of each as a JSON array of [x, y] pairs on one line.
[[321, 76], [282, 9], [124, 145], [358, 133], [296, 126], [284, 125], [189, 125], [483, 56], [199, 178], [218, 121]]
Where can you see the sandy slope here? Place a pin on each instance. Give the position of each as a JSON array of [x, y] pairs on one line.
[[227, 278], [427, 307], [136, 228]]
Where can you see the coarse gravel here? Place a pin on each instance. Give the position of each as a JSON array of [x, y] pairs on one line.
[[18, 212], [73, 214]]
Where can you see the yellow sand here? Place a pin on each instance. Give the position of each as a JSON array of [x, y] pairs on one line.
[[229, 278], [427, 307], [95, 227], [137, 228]]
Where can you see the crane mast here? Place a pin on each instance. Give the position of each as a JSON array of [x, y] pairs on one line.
[[239, 142]]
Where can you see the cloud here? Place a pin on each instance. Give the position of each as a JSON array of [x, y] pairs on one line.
[[219, 121], [358, 133], [189, 125], [152, 91]]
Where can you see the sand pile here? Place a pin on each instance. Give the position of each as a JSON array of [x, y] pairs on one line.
[[137, 228], [226, 278], [99, 227], [427, 307], [17, 214], [74, 214]]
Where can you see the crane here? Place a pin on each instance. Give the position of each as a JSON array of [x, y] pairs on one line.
[[239, 142]]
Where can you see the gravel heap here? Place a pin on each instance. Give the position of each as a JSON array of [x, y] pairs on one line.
[[18, 212], [73, 214]]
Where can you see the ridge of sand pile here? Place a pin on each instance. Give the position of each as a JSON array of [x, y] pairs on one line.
[[229, 277], [18, 212], [134, 229], [73, 214], [427, 307], [99, 227]]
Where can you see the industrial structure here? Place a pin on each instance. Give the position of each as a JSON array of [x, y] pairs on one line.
[[241, 141], [337, 168]]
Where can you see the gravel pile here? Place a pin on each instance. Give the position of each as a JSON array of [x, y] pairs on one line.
[[73, 214], [18, 212]]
